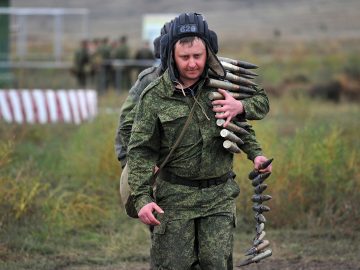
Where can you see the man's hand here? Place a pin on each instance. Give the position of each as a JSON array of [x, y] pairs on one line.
[[146, 214], [261, 159], [229, 107]]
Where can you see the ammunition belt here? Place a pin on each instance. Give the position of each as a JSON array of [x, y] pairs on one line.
[[199, 183]]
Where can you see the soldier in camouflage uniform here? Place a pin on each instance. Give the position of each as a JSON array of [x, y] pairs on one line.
[[122, 52], [144, 53], [81, 60], [193, 206]]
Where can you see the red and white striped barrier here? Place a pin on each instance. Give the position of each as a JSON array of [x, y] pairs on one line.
[[47, 106]]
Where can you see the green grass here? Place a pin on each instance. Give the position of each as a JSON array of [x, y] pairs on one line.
[[59, 186], [316, 178]]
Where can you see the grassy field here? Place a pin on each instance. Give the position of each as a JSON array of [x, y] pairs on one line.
[[61, 209]]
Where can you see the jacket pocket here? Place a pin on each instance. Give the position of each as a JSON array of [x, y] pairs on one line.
[[172, 121]]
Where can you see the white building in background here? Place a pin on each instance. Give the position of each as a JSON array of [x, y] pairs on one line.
[[152, 24]]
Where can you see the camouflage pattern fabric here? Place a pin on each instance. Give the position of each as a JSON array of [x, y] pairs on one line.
[[205, 242], [127, 114], [197, 224], [160, 116], [255, 107]]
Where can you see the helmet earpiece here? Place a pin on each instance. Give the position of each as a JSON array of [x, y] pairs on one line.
[[213, 41]]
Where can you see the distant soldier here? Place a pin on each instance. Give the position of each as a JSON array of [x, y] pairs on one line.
[[122, 52], [144, 53], [81, 61], [94, 59], [113, 69], [105, 52]]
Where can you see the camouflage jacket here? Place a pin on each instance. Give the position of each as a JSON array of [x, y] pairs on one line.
[[127, 114], [255, 108], [160, 116]]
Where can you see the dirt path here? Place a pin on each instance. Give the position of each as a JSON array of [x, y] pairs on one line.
[[291, 264], [269, 264]]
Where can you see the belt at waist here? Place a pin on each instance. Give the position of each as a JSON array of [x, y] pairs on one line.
[[201, 183]]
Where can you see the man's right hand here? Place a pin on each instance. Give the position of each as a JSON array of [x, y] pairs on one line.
[[146, 214]]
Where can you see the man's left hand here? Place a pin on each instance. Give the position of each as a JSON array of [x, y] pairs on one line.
[[259, 160], [229, 107]]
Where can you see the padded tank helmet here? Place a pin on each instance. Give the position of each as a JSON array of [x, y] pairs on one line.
[[185, 25]]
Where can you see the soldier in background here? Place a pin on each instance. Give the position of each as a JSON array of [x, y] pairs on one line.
[[81, 61], [122, 52], [105, 68], [113, 69], [94, 59], [144, 53]]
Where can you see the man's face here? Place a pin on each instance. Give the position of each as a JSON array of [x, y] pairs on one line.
[[190, 59]]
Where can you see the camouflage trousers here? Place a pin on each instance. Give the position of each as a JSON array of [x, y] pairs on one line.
[[203, 243], [196, 228]]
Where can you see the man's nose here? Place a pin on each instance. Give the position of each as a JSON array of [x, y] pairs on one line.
[[192, 62]]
